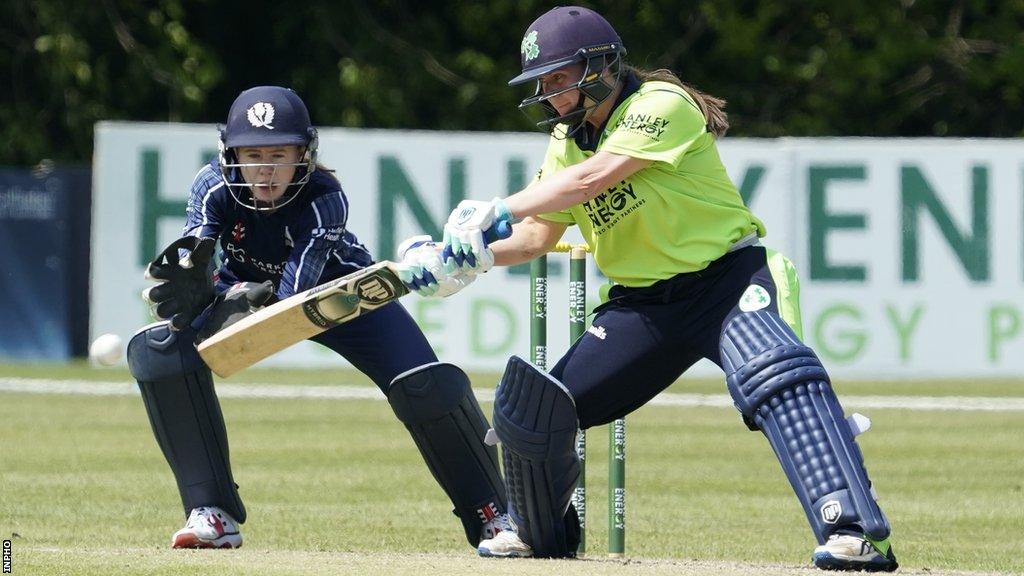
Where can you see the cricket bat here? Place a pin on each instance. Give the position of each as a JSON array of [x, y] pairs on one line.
[[300, 317]]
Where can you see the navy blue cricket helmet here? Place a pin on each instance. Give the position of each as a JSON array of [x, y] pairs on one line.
[[266, 116], [567, 35]]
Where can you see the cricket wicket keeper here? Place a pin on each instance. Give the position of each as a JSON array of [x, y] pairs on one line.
[[281, 221]]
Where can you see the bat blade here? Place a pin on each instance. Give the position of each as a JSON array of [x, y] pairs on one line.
[[300, 317]]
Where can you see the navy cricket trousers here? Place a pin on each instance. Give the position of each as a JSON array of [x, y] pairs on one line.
[[381, 344], [643, 339]]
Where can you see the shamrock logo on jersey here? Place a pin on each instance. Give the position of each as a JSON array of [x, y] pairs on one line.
[[261, 114], [529, 46]]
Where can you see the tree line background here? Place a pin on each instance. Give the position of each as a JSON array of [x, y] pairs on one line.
[[786, 67]]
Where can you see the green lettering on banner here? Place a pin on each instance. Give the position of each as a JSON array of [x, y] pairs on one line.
[[904, 329], [972, 249], [515, 176], [422, 309], [395, 186], [153, 208], [489, 336], [515, 180], [751, 180], [1003, 324], [851, 342], [822, 221]]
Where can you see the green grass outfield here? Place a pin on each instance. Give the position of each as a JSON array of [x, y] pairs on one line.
[[337, 487]]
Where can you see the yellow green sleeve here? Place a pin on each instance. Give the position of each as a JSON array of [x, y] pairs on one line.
[[658, 125]]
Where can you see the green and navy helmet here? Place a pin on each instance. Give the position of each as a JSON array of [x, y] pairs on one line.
[[563, 36]]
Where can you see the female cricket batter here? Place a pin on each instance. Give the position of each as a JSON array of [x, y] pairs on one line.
[[281, 222], [632, 162]]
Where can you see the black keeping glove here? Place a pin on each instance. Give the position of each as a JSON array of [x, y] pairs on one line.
[[240, 301], [186, 285]]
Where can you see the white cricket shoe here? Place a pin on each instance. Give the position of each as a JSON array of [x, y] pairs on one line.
[[852, 552], [208, 527], [505, 543], [499, 523]]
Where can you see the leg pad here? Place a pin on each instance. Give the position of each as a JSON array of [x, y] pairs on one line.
[[535, 419], [437, 406], [177, 389], [780, 386]]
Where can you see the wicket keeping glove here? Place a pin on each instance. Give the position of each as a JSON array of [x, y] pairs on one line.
[[236, 303], [185, 285]]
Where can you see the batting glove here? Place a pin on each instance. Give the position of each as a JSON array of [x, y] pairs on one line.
[[470, 227], [422, 271]]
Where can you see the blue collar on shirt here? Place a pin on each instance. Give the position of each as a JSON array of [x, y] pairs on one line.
[[587, 138]]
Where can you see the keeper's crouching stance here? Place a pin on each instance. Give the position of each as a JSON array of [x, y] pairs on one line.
[[281, 221], [433, 400]]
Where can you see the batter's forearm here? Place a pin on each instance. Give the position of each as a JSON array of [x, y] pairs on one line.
[[509, 253], [557, 192]]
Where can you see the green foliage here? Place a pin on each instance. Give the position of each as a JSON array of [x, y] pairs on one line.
[[821, 67]]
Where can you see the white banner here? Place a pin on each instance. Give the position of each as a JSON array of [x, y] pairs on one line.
[[910, 251]]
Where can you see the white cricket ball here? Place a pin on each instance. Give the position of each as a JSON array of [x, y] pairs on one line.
[[106, 350]]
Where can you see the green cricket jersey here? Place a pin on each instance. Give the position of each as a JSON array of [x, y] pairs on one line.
[[677, 215]]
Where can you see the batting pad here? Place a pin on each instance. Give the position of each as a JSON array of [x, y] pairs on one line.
[[780, 385], [437, 406], [535, 419], [177, 389]]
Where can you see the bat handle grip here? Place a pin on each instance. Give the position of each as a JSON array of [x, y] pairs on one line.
[[501, 230]]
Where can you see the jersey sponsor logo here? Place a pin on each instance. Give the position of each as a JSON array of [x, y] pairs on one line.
[[831, 511], [332, 234], [260, 115], [235, 252], [598, 331], [754, 298], [646, 124], [238, 253], [529, 47], [609, 207]]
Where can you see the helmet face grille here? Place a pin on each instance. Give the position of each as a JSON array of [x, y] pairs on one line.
[[594, 86]]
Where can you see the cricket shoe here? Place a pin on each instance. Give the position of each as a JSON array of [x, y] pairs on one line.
[[505, 543], [853, 553], [500, 523], [208, 527]]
